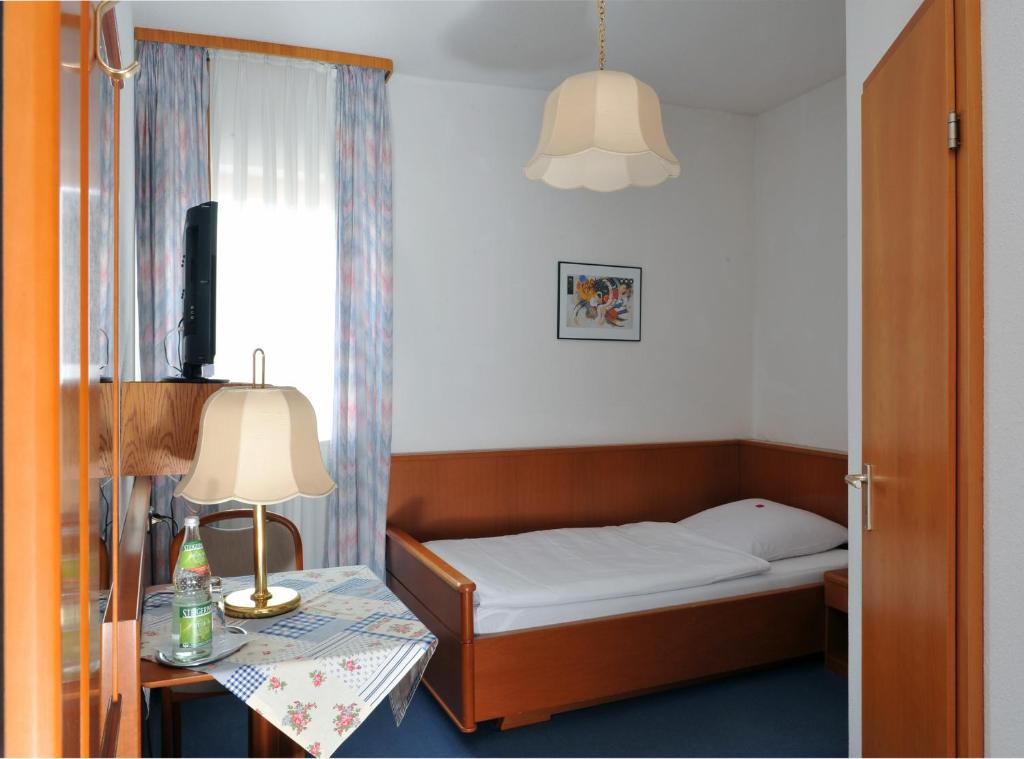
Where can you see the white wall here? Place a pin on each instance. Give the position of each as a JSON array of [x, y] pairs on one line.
[[871, 27], [477, 364], [800, 270], [1003, 110]]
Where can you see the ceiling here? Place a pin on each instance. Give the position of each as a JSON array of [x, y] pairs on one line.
[[744, 56]]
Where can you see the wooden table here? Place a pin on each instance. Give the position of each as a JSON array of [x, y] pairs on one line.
[[310, 677], [836, 624], [264, 738]]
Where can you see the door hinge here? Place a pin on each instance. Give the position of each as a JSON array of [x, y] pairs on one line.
[[953, 130]]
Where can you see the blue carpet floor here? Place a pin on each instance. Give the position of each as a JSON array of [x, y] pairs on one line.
[[797, 709]]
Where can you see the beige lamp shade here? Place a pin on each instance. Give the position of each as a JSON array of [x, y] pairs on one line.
[[602, 131], [257, 445]]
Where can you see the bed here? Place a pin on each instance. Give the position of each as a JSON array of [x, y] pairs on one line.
[[523, 661]]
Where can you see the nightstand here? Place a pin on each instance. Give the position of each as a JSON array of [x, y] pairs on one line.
[[836, 587]]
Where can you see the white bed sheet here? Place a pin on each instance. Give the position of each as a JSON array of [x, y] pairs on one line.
[[785, 573], [581, 564]]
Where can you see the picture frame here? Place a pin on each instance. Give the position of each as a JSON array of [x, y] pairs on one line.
[[599, 302]]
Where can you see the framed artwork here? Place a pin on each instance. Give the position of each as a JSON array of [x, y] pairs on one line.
[[598, 302]]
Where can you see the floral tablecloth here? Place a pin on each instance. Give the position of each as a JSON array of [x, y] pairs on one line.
[[317, 672]]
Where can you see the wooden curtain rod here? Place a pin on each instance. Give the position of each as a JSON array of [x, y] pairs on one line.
[[266, 48]]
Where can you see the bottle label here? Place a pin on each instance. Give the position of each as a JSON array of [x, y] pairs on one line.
[[195, 625], [193, 557]]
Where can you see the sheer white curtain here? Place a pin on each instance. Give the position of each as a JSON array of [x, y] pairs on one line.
[[273, 157]]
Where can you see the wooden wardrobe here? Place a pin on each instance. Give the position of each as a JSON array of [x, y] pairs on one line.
[[62, 348]]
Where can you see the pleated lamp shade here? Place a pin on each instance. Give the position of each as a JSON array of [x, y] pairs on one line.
[[257, 445], [602, 131]]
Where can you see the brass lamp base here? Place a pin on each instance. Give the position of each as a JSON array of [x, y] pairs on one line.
[[260, 601], [281, 601]]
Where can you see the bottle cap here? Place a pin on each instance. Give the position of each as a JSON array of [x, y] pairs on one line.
[[191, 521]]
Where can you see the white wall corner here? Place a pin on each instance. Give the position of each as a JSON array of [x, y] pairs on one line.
[[799, 315]]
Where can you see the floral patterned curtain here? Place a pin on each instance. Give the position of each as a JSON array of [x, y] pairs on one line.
[[361, 442], [171, 175]]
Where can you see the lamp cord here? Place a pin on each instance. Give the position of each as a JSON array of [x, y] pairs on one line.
[[600, 34]]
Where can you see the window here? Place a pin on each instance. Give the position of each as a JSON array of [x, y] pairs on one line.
[[272, 152]]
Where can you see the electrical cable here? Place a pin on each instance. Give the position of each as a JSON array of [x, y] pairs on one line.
[[180, 332]]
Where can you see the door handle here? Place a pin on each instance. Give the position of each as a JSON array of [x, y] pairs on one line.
[[862, 482]]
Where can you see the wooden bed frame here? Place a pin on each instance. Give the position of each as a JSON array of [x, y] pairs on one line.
[[525, 676]]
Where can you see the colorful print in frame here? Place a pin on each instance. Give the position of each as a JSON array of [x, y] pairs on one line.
[[598, 302]]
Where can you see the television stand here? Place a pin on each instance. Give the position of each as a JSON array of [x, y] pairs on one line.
[[192, 372]]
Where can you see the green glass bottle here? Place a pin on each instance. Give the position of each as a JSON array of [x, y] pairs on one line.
[[192, 619]]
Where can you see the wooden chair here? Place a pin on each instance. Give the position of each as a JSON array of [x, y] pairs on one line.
[[229, 549]]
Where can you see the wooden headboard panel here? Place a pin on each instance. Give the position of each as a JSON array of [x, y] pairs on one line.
[[455, 495], [479, 493], [810, 478]]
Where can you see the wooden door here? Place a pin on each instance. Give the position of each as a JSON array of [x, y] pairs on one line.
[[910, 393]]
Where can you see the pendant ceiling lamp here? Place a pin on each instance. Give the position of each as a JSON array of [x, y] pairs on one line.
[[602, 131]]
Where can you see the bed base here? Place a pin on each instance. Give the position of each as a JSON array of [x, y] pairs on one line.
[[525, 676]]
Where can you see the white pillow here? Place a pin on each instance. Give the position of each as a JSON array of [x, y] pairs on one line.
[[767, 529]]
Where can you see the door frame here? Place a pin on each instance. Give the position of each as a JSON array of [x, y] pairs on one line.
[[970, 676]]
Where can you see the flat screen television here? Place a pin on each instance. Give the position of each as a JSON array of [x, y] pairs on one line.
[[199, 296]]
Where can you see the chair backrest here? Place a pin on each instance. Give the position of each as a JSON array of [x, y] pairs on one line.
[[229, 546]]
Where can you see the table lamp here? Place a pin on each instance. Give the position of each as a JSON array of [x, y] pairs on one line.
[[257, 445]]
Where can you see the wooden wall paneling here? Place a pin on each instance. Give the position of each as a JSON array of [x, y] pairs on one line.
[[472, 494], [160, 426], [809, 478], [31, 400], [970, 383], [479, 493]]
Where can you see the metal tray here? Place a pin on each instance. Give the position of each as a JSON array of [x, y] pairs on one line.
[[229, 640]]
